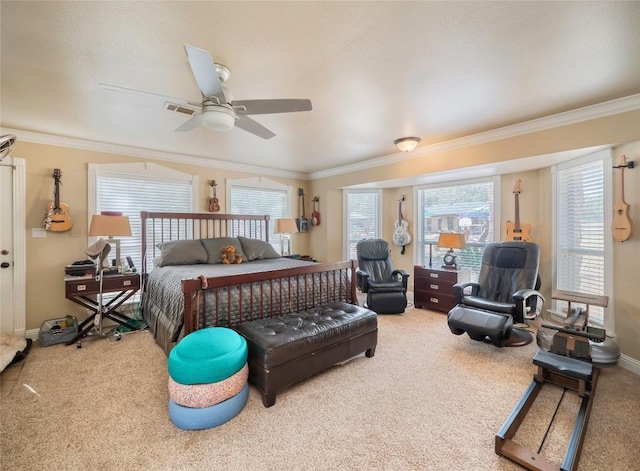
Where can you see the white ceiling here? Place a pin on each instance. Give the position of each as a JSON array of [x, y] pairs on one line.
[[374, 71]]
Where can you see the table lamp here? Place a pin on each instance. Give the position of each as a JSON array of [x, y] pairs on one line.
[[451, 240], [110, 224], [285, 227]]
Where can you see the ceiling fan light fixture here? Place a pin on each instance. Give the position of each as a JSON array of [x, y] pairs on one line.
[[407, 144], [218, 117]]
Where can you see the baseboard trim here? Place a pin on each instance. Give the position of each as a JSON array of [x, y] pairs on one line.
[[630, 364]]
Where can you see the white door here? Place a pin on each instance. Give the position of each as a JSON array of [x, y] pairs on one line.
[[12, 247]]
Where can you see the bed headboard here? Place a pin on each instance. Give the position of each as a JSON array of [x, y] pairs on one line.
[[158, 227]]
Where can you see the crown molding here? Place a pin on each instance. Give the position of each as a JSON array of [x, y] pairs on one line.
[[620, 105], [149, 154]]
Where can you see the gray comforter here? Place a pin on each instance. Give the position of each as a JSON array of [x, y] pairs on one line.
[[163, 301]]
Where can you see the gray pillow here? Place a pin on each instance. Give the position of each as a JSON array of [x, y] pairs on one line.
[[181, 252], [214, 248], [256, 249]]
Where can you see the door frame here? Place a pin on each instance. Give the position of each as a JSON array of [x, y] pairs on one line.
[[19, 246]]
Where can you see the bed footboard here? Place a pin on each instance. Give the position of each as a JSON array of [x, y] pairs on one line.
[[208, 301]]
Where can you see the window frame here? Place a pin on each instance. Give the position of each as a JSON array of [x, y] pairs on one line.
[[556, 310], [419, 246], [345, 212]]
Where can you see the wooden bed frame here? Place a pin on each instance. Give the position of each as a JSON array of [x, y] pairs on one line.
[[158, 227]]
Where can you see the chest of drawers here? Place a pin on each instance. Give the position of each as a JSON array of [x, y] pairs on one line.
[[433, 288]]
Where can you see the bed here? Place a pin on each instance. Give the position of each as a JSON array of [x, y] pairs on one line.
[[184, 289]]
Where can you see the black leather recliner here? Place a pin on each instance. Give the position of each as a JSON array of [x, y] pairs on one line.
[[506, 293], [386, 288]]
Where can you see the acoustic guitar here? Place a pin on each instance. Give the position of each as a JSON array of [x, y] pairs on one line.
[[57, 218], [401, 236], [315, 214], [214, 205], [514, 230], [621, 225]]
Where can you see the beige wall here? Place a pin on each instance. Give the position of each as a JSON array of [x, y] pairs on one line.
[[47, 257]]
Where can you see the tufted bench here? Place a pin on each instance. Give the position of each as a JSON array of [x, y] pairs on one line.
[[289, 348]]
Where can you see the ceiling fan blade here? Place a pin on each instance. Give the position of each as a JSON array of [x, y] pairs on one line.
[[249, 125], [192, 123], [273, 106], [182, 101], [204, 71]]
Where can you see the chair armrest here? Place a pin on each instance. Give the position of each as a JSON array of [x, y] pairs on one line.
[[362, 280], [403, 274], [528, 304], [458, 290]]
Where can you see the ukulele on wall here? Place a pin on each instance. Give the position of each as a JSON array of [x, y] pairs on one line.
[[514, 231], [57, 218], [315, 215], [214, 205], [401, 236], [621, 225]]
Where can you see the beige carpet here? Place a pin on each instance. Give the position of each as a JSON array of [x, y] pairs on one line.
[[428, 400]]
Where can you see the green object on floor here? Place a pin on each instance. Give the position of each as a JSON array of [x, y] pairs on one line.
[[138, 324]]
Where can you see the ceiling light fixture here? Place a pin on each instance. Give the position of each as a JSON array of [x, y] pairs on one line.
[[407, 144], [218, 117]]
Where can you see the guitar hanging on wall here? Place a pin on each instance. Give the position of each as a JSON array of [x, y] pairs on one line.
[[401, 236], [315, 215], [57, 218], [621, 224], [302, 222], [214, 205], [514, 230]]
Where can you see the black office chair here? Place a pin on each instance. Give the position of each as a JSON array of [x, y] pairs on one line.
[[506, 293], [386, 288]]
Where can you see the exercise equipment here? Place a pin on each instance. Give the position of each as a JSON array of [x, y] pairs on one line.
[[568, 364]]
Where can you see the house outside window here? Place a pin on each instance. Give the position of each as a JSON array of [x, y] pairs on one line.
[[362, 218], [467, 207], [582, 246], [260, 196]]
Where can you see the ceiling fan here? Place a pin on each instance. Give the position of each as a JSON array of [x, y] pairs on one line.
[[217, 110]]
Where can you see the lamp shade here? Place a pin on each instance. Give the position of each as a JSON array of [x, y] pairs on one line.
[[285, 226], [451, 240], [110, 223], [218, 117]]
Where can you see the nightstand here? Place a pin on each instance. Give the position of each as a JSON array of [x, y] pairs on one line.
[[84, 291], [433, 287]]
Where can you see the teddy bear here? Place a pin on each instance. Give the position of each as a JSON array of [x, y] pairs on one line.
[[229, 255]]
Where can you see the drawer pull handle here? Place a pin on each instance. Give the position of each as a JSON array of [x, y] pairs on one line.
[[434, 286], [82, 287], [434, 300], [433, 275], [126, 283]]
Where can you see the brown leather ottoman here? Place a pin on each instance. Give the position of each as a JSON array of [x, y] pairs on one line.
[[289, 348]]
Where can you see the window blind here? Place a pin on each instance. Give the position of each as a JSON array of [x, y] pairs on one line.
[[580, 232], [361, 218], [260, 201]]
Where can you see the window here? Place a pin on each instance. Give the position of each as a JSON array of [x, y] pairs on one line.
[[131, 188], [466, 207], [260, 196], [582, 247], [362, 218]]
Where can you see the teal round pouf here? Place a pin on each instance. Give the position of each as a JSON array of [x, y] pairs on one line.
[[189, 418], [207, 356]]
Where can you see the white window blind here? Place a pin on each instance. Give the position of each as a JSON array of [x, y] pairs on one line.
[[257, 200], [464, 207], [131, 193], [580, 232], [362, 218]]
